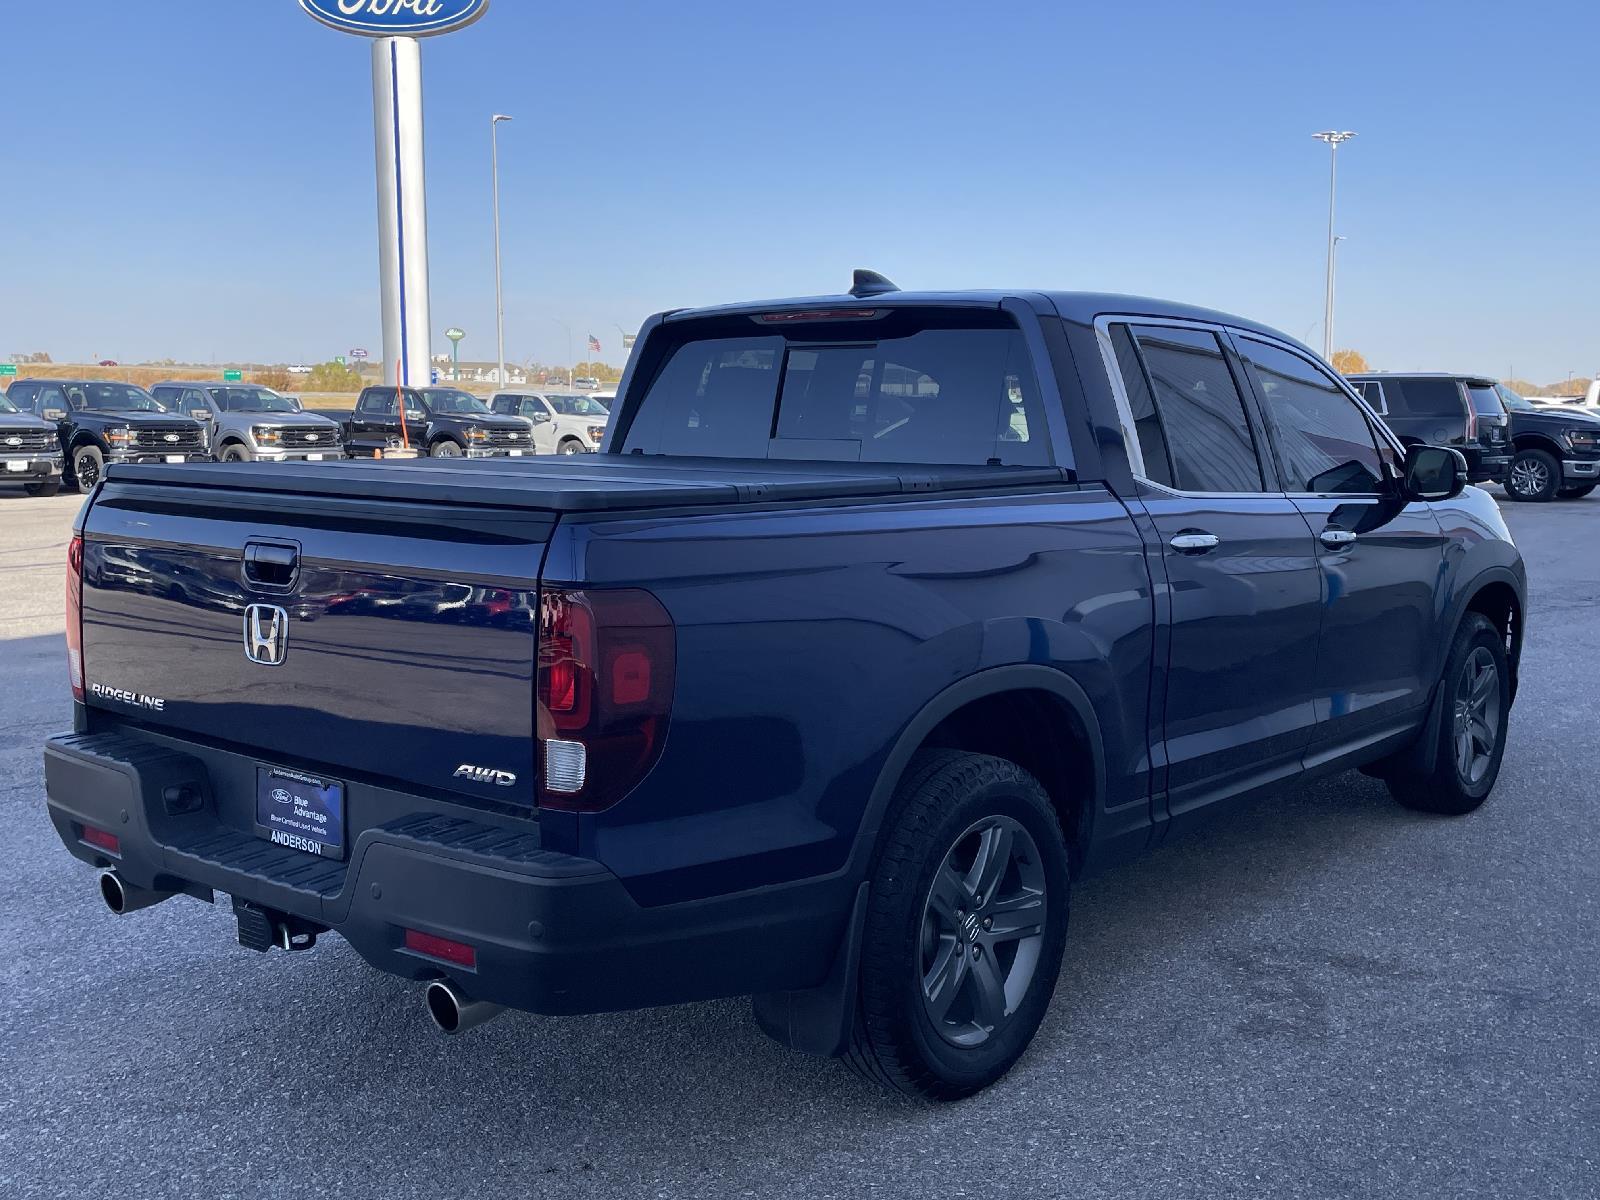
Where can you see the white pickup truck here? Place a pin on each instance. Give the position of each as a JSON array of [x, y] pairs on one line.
[[562, 424]]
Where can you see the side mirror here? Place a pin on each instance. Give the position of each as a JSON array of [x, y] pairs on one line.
[[54, 414], [1434, 473], [200, 414], [541, 418]]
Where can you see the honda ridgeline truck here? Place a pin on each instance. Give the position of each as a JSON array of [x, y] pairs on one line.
[[880, 619]]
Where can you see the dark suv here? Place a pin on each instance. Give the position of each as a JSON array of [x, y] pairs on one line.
[[442, 422], [1556, 450], [99, 422], [1462, 411]]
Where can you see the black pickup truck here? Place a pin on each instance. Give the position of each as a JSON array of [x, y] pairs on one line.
[[30, 452], [439, 422], [99, 423], [881, 618]]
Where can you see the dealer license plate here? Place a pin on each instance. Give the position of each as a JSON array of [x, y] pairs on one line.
[[18, 468], [303, 812], [175, 458]]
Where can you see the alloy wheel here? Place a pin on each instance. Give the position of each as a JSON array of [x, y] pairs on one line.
[[1529, 477], [87, 469], [1477, 715], [982, 931]]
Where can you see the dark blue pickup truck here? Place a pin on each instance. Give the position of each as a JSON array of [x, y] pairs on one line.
[[880, 618]]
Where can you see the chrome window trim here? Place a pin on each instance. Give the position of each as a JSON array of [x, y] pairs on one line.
[[1130, 432]]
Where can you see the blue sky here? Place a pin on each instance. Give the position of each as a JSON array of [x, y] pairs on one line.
[[194, 179]]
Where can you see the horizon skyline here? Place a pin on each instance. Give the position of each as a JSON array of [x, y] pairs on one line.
[[244, 228]]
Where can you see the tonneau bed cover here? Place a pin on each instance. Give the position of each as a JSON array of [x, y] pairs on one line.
[[589, 483]]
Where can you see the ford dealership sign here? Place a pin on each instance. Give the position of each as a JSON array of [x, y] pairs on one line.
[[396, 18]]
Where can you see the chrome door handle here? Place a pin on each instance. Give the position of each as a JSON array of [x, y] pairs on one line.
[[1334, 539], [1194, 543]]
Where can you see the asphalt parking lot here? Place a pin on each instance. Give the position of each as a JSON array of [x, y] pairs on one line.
[[1318, 995]]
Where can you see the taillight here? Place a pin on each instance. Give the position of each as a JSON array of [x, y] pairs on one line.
[[606, 669], [1472, 422], [75, 615]]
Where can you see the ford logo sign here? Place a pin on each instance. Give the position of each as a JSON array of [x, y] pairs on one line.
[[172, 437], [396, 18]]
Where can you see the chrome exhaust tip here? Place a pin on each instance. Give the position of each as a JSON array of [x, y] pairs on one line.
[[455, 1012], [122, 897]]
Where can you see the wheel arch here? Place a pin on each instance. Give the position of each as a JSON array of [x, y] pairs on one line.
[[1012, 712], [1537, 441]]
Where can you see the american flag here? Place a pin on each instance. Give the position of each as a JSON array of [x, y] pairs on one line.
[[594, 344]]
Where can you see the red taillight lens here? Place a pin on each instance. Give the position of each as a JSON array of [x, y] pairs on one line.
[[606, 672], [457, 953], [101, 840], [75, 615]]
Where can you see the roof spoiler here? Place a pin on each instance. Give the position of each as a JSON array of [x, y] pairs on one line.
[[870, 283]]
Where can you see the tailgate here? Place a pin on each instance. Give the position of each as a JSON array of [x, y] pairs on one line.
[[368, 638]]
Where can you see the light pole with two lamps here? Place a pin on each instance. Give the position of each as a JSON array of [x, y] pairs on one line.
[[1334, 138]]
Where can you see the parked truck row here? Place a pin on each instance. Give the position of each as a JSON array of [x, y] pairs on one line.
[[65, 431]]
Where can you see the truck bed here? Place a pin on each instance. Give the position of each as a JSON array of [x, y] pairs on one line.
[[588, 483]]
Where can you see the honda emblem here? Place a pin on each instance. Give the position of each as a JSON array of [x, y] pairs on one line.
[[266, 634]]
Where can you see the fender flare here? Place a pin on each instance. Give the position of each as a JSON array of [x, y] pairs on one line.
[[992, 681], [1423, 753]]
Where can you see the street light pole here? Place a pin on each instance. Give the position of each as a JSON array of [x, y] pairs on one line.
[[499, 302], [1334, 138]]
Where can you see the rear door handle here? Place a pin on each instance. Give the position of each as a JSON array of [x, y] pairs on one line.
[[1194, 541], [1335, 539]]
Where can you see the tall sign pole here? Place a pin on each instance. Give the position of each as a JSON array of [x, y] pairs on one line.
[[395, 28]]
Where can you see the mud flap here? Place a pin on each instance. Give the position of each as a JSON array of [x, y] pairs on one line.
[[820, 1020]]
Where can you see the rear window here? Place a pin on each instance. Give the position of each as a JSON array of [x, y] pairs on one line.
[[866, 392], [1485, 400]]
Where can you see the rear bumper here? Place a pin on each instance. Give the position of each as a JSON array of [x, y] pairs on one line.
[[554, 933], [1487, 468]]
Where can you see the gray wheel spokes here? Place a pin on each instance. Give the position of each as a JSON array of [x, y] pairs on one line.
[[1016, 916], [949, 896], [944, 982], [989, 990], [994, 859], [983, 924], [1464, 754]]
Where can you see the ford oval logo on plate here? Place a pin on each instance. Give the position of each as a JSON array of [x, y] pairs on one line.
[[396, 18]]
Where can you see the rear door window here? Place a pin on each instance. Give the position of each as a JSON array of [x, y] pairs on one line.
[[882, 393], [1202, 412], [1324, 443], [1428, 397]]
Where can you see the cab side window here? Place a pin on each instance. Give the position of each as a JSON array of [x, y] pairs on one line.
[[531, 407], [52, 398], [193, 403], [1323, 441], [378, 403], [23, 396], [1201, 410]]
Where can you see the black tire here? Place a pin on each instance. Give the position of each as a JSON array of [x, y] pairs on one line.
[[917, 938], [1465, 767], [48, 487], [88, 467], [1577, 491], [444, 448], [234, 452], [1535, 476], [570, 446]]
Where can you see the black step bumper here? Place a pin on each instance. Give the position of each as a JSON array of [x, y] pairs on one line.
[[553, 933]]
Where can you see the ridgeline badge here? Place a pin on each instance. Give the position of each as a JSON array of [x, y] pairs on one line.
[[396, 18]]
